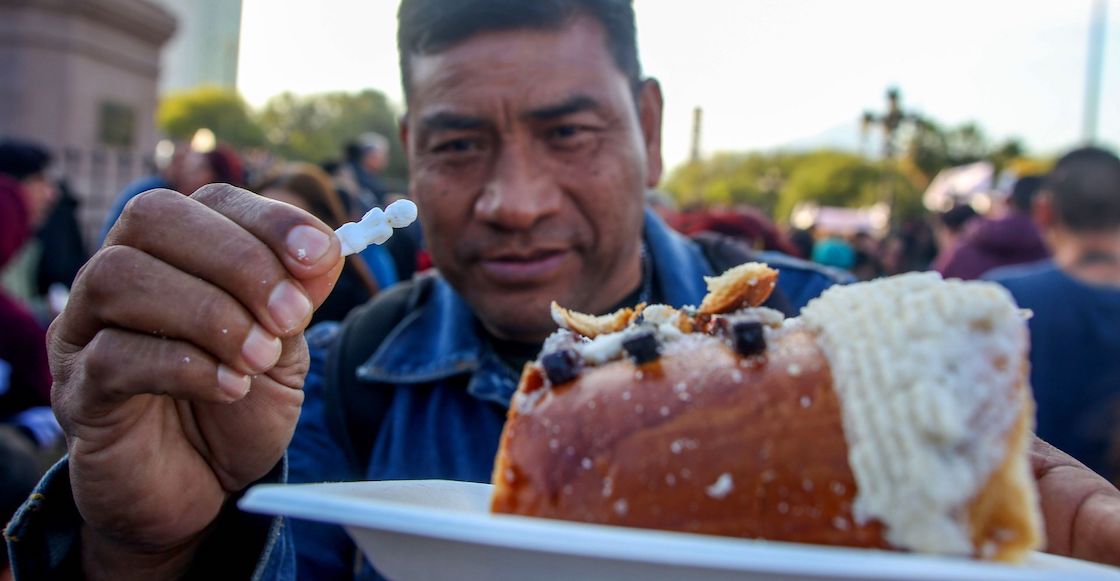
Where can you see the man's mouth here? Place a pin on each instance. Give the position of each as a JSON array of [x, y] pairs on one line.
[[522, 268]]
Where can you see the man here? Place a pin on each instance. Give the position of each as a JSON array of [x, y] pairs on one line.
[[531, 138], [1075, 298], [1006, 241]]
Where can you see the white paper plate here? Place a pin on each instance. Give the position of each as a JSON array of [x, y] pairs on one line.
[[439, 529]]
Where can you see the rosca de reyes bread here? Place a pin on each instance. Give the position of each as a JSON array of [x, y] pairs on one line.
[[890, 414]]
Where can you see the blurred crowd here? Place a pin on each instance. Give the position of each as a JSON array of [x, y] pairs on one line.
[[1053, 240]]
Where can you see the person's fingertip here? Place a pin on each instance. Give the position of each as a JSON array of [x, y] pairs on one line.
[[260, 350], [233, 384], [307, 245], [288, 306]]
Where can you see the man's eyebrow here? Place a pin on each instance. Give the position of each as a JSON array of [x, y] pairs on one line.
[[574, 104], [444, 121]]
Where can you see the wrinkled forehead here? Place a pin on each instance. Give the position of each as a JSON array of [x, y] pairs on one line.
[[528, 66]]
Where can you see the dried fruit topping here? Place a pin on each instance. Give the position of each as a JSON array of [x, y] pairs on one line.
[[561, 366], [642, 347]]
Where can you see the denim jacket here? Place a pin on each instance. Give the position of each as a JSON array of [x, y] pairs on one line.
[[444, 421]]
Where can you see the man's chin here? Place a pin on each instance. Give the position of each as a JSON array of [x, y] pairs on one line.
[[517, 316]]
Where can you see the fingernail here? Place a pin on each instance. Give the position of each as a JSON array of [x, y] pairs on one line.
[[233, 384], [307, 244], [260, 350], [288, 306]]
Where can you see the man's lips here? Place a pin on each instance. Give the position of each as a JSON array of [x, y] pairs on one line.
[[523, 268]]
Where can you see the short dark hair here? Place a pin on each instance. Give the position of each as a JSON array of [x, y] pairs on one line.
[[957, 217], [429, 26], [1024, 192], [1085, 188]]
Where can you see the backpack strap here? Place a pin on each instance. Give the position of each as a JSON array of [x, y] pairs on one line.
[[355, 409]]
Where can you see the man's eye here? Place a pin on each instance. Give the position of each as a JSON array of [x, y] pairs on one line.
[[570, 137], [562, 132], [461, 145]]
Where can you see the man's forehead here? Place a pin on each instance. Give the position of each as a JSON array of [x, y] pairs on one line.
[[538, 67]]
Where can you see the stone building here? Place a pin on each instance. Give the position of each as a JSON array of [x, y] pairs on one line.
[[82, 78]]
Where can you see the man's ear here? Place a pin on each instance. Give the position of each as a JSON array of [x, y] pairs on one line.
[[649, 115]]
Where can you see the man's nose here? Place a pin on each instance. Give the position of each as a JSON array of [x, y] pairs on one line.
[[520, 191]]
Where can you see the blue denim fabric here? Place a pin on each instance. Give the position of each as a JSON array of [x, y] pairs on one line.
[[444, 419]]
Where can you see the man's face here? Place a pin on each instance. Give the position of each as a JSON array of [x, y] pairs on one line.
[[529, 161], [40, 196]]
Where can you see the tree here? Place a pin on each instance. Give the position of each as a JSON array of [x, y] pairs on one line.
[[317, 127], [932, 148], [831, 178], [222, 111], [729, 179]]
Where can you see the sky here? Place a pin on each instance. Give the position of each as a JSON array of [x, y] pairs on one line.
[[768, 74]]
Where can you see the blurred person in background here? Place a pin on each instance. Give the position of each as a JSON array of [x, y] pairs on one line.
[[309, 188], [908, 248], [359, 177], [1075, 300], [220, 165], [745, 224], [1005, 241], [834, 251], [868, 263], [803, 240], [63, 250], [949, 228], [25, 193], [24, 165], [168, 163]]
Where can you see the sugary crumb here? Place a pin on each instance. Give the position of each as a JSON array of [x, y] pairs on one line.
[[585, 463], [806, 401], [721, 487], [186, 360], [621, 507]]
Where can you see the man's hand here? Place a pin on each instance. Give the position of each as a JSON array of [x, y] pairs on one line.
[[178, 366], [1081, 509]]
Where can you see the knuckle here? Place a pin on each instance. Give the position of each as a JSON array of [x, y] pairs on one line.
[[102, 275], [210, 194], [100, 359], [147, 206]]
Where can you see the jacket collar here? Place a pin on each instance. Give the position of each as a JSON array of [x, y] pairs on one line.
[[441, 339]]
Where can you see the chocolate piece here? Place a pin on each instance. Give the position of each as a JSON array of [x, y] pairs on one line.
[[747, 338], [561, 366], [642, 347]]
